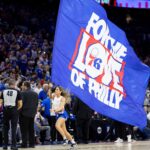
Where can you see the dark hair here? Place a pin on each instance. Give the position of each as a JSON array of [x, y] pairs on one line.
[[65, 94], [27, 84], [61, 89], [19, 84]]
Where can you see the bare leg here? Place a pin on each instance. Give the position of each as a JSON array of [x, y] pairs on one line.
[[58, 126], [61, 128], [67, 134]]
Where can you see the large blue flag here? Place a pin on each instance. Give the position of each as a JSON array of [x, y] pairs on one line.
[[93, 59]]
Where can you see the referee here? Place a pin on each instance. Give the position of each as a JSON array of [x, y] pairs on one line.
[[12, 103]]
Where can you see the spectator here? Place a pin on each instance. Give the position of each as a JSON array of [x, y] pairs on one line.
[[40, 124], [43, 93], [45, 109], [38, 87]]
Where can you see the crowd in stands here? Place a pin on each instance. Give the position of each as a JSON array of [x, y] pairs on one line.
[[26, 42], [27, 33]]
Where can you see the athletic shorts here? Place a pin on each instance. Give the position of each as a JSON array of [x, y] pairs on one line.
[[63, 115]]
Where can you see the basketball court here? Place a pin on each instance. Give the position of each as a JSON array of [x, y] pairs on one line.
[[137, 145]]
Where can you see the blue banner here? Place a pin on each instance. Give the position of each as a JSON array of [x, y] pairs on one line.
[[93, 59]]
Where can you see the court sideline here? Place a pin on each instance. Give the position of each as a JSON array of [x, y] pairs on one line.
[[137, 145]]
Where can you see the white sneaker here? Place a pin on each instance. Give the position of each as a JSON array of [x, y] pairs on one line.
[[65, 142], [118, 140], [129, 140], [73, 145], [20, 141]]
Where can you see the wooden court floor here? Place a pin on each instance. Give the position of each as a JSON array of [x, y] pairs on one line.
[[137, 145]]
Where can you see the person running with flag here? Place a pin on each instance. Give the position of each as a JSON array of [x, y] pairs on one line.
[[58, 107]]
